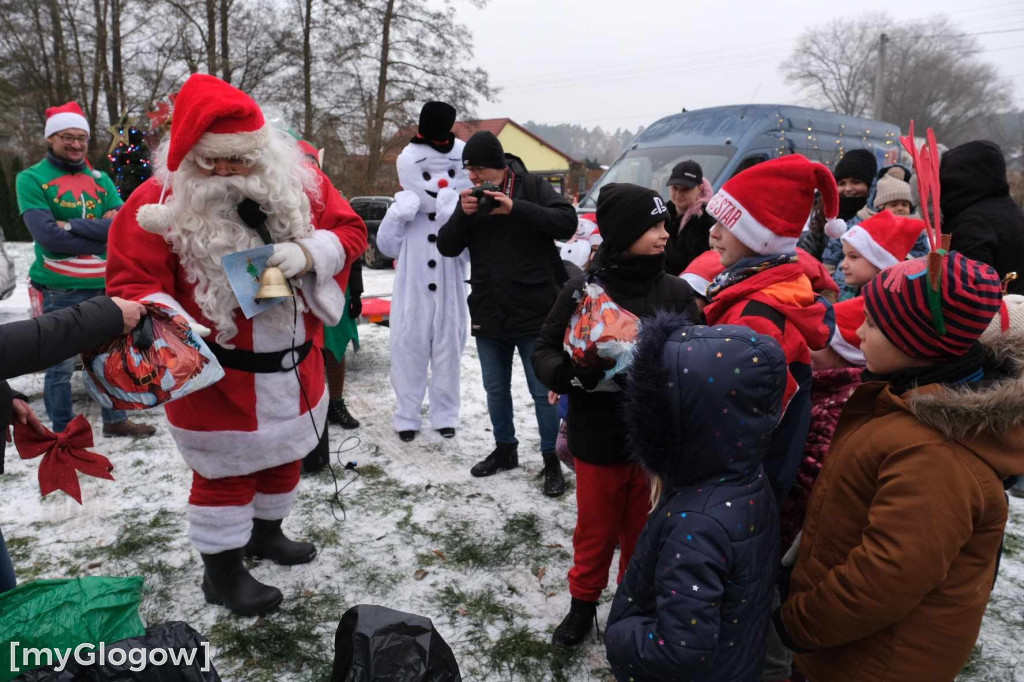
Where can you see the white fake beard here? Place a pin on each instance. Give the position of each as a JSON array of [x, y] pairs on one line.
[[206, 227]]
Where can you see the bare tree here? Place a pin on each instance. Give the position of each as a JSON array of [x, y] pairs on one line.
[[932, 73], [402, 53]]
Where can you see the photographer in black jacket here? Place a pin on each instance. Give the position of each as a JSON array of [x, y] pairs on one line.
[[516, 274]]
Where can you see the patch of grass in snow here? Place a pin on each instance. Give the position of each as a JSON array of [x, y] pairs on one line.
[[523, 653], [20, 548], [464, 544], [293, 640], [372, 472], [138, 537], [365, 577], [1013, 545], [474, 609]]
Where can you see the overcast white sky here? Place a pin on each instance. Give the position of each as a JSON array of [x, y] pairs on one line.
[[624, 63]]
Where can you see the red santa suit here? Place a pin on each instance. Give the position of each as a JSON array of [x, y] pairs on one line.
[[246, 435]]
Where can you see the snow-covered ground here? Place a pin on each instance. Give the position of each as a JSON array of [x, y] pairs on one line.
[[485, 559]]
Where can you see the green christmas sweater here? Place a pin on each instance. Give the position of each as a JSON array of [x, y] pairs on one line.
[[67, 196]]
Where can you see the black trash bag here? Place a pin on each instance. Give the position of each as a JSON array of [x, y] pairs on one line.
[[174, 637], [378, 644]]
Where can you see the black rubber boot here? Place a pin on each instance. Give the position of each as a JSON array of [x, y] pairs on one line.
[[505, 456], [576, 625], [269, 542], [319, 457], [554, 482], [227, 582], [338, 414], [407, 436]]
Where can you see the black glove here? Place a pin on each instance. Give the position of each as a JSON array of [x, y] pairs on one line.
[[253, 216], [355, 307], [586, 378]]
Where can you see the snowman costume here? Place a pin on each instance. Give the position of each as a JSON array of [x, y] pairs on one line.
[[429, 314]]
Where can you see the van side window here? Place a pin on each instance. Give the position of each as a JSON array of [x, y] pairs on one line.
[[750, 162]]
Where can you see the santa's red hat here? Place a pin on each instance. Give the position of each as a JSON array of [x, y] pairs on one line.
[[215, 120], [884, 239], [65, 116], [701, 271], [845, 342], [766, 206]]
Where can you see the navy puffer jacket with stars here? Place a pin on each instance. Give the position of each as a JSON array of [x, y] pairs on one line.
[[695, 602]]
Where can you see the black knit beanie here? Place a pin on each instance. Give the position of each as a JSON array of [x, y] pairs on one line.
[[625, 212], [484, 150], [859, 164]]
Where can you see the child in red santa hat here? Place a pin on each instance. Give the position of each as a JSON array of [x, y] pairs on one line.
[[879, 242], [761, 213]]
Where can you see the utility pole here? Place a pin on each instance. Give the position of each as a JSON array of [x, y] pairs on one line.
[[880, 79]]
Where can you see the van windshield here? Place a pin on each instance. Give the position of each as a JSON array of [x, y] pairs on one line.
[[651, 167]]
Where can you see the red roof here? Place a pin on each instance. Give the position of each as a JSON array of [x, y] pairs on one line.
[[465, 130]]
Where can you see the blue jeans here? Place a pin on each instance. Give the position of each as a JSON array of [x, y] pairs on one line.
[[7, 581], [57, 384], [496, 366]]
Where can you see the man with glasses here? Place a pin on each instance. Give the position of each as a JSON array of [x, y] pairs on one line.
[[68, 208], [516, 273]]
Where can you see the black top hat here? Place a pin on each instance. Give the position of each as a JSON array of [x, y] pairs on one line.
[[435, 129]]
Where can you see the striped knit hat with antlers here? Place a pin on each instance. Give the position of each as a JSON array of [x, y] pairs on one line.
[[933, 308]]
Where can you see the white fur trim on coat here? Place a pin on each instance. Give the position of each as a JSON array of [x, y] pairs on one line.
[[222, 145], [322, 293], [860, 239], [213, 530], [724, 208], [216, 454], [274, 506], [63, 121]]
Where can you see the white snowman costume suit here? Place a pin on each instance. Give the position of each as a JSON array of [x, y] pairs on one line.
[[429, 314]]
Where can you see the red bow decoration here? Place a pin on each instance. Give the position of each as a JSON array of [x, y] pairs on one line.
[[63, 454]]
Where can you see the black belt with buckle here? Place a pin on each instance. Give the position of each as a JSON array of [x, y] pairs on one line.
[[261, 363]]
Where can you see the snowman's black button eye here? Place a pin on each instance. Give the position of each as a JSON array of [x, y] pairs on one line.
[[451, 172], [426, 176]]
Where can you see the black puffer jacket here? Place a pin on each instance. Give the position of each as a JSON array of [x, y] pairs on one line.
[[515, 268], [596, 431], [978, 213], [35, 344], [687, 243]]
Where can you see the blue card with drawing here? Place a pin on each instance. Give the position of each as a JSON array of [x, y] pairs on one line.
[[243, 269]]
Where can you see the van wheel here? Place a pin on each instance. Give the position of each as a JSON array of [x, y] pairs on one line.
[[374, 259]]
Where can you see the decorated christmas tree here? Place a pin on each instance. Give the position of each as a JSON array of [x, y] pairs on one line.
[[129, 160]]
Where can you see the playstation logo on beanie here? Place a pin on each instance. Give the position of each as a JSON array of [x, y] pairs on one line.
[[766, 206], [625, 212]]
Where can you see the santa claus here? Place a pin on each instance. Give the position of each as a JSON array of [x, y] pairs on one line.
[[226, 181]]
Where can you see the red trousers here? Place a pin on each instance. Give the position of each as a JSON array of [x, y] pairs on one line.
[[612, 503], [221, 510]]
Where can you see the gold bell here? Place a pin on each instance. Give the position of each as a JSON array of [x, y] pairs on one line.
[[273, 284]]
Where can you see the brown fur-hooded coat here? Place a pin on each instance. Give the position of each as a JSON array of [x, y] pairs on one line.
[[904, 526]]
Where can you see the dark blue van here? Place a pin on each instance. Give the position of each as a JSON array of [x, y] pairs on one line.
[[727, 140]]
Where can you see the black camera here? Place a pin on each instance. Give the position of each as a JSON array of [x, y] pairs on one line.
[[487, 203]]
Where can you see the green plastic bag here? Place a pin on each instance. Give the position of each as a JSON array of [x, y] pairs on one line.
[[61, 614]]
